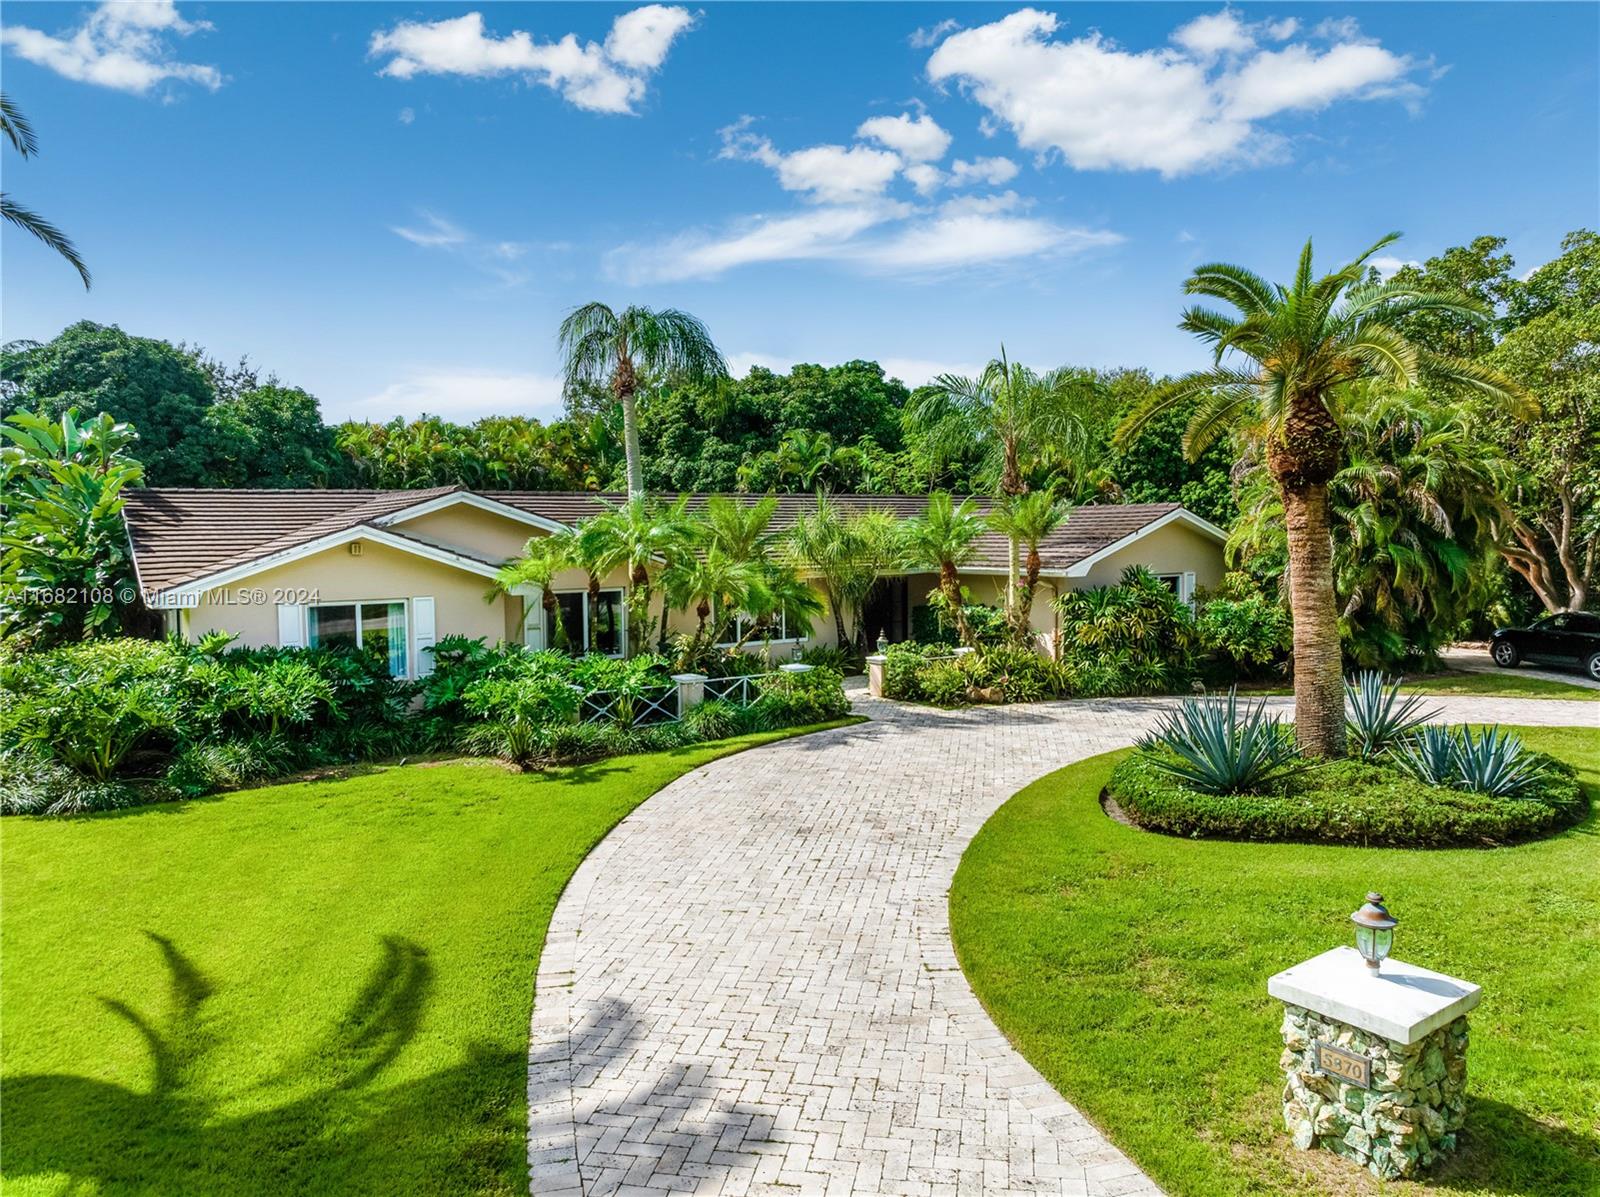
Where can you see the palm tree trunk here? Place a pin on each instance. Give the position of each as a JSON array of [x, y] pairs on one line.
[[950, 583], [623, 385], [1318, 669]]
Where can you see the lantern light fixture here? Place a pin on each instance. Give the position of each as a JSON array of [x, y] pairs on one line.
[[1374, 931]]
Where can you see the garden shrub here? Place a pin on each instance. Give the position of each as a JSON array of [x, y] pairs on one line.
[[1136, 637], [943, 683], [903, 664], [1349, 802], [1244, 629], [1012, 673], [814, 696]]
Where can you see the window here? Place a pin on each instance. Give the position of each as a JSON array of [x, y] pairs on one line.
[[1181, 585], [378, 627], [779, 630], [598, 627]]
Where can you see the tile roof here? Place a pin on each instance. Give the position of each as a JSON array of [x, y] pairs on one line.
[[183, 535]]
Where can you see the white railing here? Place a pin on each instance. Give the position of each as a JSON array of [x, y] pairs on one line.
[[631, 708], [670, 701]]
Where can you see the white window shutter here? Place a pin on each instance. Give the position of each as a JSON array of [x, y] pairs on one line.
[[422, 635], [291, 625], [1188, 589], [533, 618]]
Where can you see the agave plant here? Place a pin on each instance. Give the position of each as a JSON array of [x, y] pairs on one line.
[[1495, 762], [1429, 755], [1377, 717], [1221, 749]]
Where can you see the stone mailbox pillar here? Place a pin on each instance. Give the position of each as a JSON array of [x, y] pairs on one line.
[[1375, 1062], [875, 668]]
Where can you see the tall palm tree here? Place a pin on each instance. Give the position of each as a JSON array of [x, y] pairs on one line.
[[945, 536], [542, 558], [1299, 346], [1026, 520], [19, 132], [603, 347], [1014, 416]]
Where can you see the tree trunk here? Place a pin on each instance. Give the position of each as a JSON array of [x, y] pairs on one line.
[[623, 385], [1023, 623], [552, 611], [950, 583], [1318, 667], [1011, 485]]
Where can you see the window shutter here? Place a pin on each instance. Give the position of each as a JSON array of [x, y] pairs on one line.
[[1188, 589], [291, 625], [422, 635], [533, 618]]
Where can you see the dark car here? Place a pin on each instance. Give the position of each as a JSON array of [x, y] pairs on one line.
[[1565, 638]]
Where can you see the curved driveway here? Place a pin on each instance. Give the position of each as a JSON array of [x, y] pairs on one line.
[[749, 986]]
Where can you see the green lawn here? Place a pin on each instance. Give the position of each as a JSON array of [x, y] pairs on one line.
[[1501, 684], [319, 987], [1131, 969]]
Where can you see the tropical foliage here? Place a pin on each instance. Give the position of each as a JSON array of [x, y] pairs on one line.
[[65, 571], [1280, 369]]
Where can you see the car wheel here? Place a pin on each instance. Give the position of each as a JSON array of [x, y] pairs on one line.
[[1594, 667], [1506, 655]]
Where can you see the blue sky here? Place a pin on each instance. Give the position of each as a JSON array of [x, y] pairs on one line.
[[393, 205]]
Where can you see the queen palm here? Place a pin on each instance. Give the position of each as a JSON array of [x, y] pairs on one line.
[[542, 558], [601, 347], [1299, 347], [1014, 416], [19, 132], [1026, 520], [945, 536]]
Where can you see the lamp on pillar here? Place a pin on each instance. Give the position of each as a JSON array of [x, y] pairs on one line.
[[1374, 931]]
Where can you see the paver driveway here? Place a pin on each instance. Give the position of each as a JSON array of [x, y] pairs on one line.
[[749, 986]]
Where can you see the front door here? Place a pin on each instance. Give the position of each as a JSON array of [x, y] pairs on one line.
[[888, 612]]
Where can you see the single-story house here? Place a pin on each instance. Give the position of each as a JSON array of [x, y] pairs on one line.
[[401, 568]]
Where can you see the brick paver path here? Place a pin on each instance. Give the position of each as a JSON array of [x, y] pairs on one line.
[[749, 986]]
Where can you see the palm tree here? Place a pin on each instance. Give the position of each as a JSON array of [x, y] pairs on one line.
[[1301, 346], [717, 584], [741, 530], [1415, 512], [946, 536], [542, 558], [1015, 417], [603, 347], [1026, 520], [19, 132], [847, 552], [805, 456], [637, 537]]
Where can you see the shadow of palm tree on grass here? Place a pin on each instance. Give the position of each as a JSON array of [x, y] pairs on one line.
[[459, 1130]]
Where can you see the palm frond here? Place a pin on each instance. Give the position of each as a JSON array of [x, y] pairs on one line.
[[17, 128], [41, 228]]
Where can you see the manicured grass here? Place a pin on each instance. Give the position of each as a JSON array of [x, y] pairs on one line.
[[1131, 968], [1501, 684], [320, 987]]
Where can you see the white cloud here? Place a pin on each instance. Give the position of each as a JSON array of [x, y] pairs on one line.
[[915, 138], [496, 258], [640, 39], [930, 35], [1194, 105], [407, 115], [828, 173], [881, 238], [1215, 33], [435, 233], [1387, 266], [460, 393], [993, 171], [608, 78], [925, 177], [124, 46], [1281, 31], [824, 232]]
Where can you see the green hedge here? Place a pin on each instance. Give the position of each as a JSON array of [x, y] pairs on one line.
[[1349, 802]]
